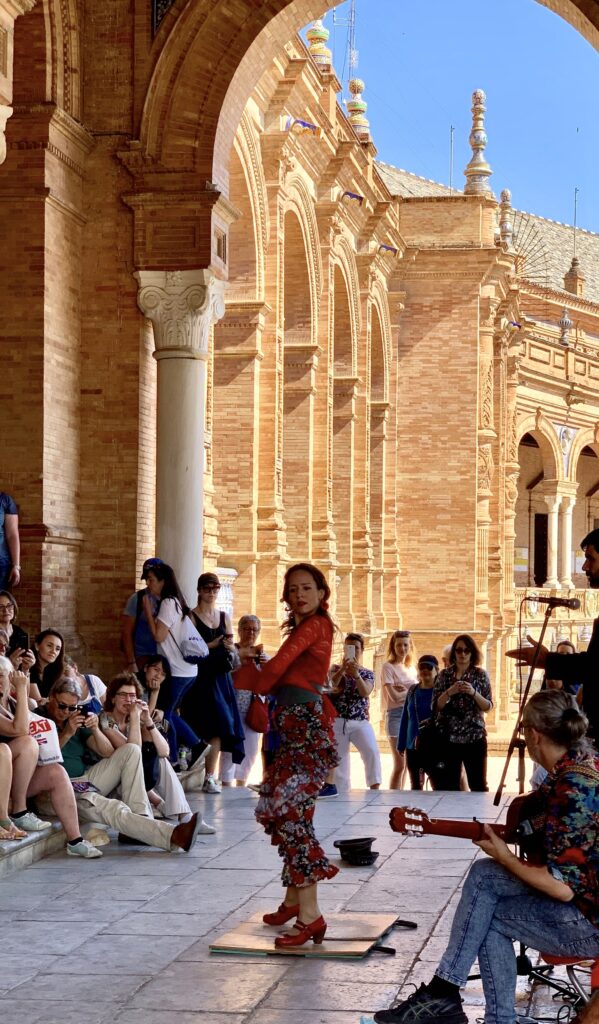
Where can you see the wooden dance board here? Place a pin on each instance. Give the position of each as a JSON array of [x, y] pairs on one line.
[[348, 935]]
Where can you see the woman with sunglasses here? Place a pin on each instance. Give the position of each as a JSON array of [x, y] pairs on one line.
[[397, 676], [127, 719], [461, 699]]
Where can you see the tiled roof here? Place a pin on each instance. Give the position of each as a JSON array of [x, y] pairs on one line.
[[403, 183], [554, 239]]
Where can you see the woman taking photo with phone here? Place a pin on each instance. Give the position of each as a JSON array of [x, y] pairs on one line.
[[297, 675], [127, 719], [461, 699], [351, 686]]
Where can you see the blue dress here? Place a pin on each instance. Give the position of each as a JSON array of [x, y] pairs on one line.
[[210, 706]]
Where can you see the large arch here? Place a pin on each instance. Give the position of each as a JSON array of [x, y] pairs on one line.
[[216, 53]]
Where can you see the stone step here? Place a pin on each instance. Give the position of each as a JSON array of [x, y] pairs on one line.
[[20, 854]]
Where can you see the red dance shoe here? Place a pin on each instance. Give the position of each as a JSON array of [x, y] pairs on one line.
[[315, 931], [283, 914]]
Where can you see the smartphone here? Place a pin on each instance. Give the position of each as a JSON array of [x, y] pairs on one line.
[[24, 642], [350, 652]]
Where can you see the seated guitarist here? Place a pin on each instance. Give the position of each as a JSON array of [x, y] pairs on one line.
[[553, 908]]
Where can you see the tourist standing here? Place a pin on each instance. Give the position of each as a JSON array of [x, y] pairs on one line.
[[397, 675]]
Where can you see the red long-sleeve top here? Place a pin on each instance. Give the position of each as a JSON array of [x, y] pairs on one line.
[[302, 661]]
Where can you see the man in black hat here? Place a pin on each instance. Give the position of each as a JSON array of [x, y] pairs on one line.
[[137, 642], [584, 666]]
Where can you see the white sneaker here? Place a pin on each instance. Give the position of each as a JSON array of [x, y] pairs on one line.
[[30, 822], [211, 785], [205, 829], [83, 849]]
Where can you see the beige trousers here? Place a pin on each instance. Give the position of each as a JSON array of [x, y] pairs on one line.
[[115, 814], [122, 772]]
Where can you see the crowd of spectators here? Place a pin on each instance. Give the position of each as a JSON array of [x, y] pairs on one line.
[[122, 754]]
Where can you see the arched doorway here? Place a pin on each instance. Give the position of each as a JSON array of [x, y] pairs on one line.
[[535, 545]]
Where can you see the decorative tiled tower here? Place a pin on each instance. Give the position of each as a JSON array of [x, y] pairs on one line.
[[318, 36], [506, 227], [478, 171], [356, 108]]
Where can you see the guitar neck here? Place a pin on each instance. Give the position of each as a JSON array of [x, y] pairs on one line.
[[460, 829]]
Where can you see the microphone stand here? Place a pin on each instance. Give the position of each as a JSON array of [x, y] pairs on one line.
[[517, 741]]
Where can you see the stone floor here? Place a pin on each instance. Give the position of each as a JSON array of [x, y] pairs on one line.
[[126, 938]]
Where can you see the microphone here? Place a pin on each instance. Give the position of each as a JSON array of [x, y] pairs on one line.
[[557, 602]]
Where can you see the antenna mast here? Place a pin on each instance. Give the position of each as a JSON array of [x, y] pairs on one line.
[[350, 60]]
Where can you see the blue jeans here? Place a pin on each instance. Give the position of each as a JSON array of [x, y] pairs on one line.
[[5, 567], [494, 910], [180, 733]]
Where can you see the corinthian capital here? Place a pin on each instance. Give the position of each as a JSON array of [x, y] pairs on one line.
[[182, 305]]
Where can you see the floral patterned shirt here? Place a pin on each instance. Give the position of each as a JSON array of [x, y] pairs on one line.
[[347, 700], [571, 828], [461, 720]]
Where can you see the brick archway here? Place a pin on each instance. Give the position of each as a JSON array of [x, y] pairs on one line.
[[213, 57]]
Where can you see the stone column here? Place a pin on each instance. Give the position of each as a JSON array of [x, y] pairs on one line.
[[486, 437], [344, 425], [565, 559], [553, 502], [379, 417], [182, 305]]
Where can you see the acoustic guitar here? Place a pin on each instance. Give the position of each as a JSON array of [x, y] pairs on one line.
[[522, 826]]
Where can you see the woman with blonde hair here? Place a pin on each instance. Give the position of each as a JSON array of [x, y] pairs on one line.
[[397, 676]]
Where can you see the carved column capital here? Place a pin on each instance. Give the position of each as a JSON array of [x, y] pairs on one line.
[[14, 8], [182, 305]]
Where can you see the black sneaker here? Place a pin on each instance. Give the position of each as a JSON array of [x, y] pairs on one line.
[[422, 1007]]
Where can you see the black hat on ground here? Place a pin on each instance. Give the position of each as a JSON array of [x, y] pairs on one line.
[[357, 852]]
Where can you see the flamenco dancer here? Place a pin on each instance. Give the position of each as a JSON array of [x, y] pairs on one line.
[[296, 675], [553, 907]]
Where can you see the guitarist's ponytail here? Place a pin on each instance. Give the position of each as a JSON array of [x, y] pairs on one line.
[[556, 714]]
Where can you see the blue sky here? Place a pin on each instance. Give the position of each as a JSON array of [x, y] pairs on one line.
[[421, 63]]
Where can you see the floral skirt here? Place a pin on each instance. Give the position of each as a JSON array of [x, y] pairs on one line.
[[288, 794]]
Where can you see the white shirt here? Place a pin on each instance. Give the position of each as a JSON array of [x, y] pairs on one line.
[[169, 614]]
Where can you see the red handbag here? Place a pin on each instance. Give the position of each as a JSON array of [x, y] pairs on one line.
[[257, 714]]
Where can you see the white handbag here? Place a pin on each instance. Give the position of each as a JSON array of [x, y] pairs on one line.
[[46, 735]]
